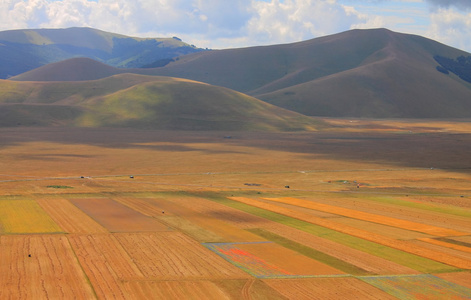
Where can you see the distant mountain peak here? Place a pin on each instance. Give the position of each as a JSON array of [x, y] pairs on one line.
[[25, 49]]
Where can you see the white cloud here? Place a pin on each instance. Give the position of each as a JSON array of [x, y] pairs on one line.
[[238, 23], [295, 20], [451, 27]]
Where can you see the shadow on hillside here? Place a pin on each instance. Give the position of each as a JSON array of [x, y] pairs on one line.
[[429, 150]]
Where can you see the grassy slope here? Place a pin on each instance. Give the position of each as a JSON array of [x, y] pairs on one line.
[[401, 81], [130, 100], [359, 73]]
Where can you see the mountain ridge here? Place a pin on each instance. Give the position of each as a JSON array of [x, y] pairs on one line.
[[374, 73], [22, 50]]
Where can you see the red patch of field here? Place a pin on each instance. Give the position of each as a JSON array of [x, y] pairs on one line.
[[106, 263], [267, 260], [40, 267], [117, 217], [177, 290], [172, 255], [327, 288], [69, 217]]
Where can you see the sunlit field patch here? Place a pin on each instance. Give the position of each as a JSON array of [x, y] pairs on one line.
[[25, 216]]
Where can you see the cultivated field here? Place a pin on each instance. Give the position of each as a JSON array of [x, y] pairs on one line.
[[361, 210]]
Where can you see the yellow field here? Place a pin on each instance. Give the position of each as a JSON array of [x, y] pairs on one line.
[[365, 210], [25, 216]]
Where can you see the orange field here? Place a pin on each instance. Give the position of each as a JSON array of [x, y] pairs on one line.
[[172, 255], [41, 267], [326, 288], [175, 290], [357, 211]]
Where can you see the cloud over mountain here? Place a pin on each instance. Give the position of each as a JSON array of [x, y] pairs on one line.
[[239, 23]]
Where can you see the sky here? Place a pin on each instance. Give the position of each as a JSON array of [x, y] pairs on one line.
[[219, 24]]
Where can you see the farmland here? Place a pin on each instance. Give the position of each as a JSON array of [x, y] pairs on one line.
[[360, 210]]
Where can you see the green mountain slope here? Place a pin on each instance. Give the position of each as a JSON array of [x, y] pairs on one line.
[[24, 50], [137, 101]]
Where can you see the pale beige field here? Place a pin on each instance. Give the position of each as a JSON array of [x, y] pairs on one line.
[[362, 210]]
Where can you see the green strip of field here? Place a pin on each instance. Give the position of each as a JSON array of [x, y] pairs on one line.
[[311, 253], [412, 261]]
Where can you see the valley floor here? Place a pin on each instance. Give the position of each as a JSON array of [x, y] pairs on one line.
[[362, 210]]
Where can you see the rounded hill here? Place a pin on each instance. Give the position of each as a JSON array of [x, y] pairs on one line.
[[138, 101]]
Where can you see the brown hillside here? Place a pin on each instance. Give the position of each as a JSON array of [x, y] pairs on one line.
[[74, 69], [358, 73]]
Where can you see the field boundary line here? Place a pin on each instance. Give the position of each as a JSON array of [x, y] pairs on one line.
[[363, 234], [364, 216]]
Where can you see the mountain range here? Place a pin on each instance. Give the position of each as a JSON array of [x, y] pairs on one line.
[[374, 73], [23, 50]]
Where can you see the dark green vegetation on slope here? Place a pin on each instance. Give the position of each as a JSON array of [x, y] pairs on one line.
[[23, 50], [137, 101], [373, 73], [461, 66]]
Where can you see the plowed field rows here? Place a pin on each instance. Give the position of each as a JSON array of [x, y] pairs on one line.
[[342, 213], [106, 264], [172, 255], [69, 217], [364, 234], [196, 290], [40, 267]]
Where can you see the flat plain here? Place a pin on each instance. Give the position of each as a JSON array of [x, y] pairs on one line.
[[364, 209]]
